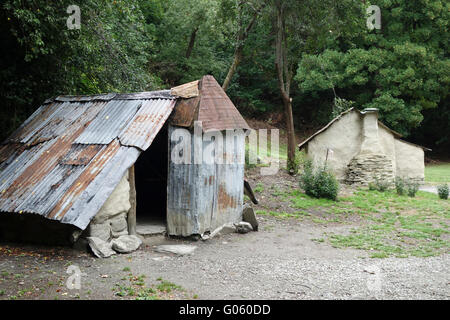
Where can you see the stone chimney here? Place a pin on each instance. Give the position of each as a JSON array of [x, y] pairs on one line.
[[370, 165], [370, 139]]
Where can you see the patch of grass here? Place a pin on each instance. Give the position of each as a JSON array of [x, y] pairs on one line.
[[398, 226], [147, 294], [166, 286], [300, 200], [437, 173], [259, 188], [126, 269], [138, 290], [388, 224]]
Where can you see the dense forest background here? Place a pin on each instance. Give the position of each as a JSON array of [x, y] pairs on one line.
[[320, 53]]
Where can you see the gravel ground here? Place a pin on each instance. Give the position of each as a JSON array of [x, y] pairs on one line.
[[429, 188], [281, 261]]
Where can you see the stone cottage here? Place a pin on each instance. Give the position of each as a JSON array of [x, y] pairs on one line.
[[360, 149], [102, 167]]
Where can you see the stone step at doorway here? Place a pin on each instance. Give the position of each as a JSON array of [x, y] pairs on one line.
[[148, 227]]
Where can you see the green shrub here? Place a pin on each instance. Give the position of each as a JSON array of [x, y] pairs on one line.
[[412, 188], [293, 166], [400, 186], [326, 184], [381, 185], [443, 191], [319, 183], [307, 178]]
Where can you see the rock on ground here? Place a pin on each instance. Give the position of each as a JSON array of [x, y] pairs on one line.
[[100, 248], [243, 227], [180, 249], [126, 243], [248, 215]]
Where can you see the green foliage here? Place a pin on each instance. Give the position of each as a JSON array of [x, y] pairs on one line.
[[379, 185], [382, 185], [412, 187], [307, 178], [438, 172], [320, 183], [340, 105], [400, 186], [294, 164], [42, 58], [401, 69], [180, 22], [123, 46], [443, 191]]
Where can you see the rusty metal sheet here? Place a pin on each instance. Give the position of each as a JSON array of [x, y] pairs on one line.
[[15, 167], [36, 171], [83, 181], [9, 150], [96, 97], [21, 178], [49, 190], [201, 198], [216, 110], [89, 202], [147, 122], [162, 94], [186, 111], [32, 123], [110, 122], [56, 124], [81, 154]]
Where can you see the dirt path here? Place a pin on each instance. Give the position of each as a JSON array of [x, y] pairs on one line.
[[429, 188], [281, 261]]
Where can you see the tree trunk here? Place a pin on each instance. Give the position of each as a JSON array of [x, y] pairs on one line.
[[243, 35], [292, 146], [191, 43], [284, 73], [232, 70]]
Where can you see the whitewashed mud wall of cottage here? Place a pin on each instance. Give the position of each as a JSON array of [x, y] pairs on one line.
[[111, 221]]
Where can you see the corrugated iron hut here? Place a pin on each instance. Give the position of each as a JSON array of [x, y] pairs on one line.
[[103, 165]]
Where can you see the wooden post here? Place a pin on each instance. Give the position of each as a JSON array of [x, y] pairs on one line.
[[132, 213]]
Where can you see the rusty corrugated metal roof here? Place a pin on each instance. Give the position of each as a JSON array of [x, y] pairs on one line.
[[216, 110], [67, 158], [212, 106]]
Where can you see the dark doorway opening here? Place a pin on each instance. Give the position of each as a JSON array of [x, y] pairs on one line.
[[151, 186]]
